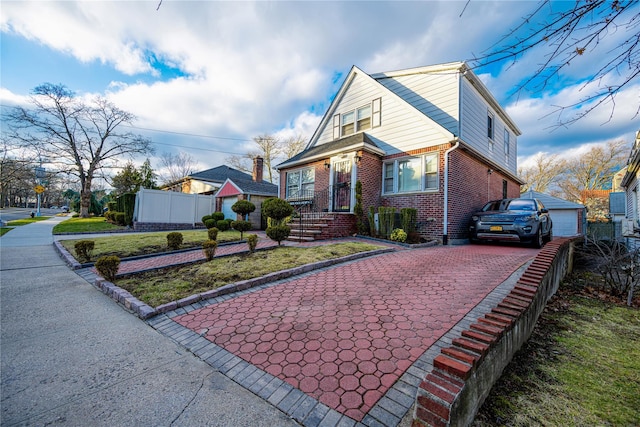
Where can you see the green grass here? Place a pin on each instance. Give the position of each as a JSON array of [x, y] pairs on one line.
[[25, 221], [159, 287], [581, 367], [81, 225], [126, 245], [20, 222]]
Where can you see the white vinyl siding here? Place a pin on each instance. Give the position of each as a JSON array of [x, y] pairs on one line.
[[402, 128], [435, 95], [474, 129]]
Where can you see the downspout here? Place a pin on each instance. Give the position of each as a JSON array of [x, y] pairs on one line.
[[445, 225]]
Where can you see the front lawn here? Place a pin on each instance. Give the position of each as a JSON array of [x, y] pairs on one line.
[[581, 367], [171, 284], [131, 244], [25, 221], [82, 225]]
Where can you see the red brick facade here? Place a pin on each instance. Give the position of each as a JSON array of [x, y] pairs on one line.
[[472, 183]]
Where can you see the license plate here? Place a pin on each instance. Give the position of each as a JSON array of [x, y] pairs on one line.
[[495, 228]]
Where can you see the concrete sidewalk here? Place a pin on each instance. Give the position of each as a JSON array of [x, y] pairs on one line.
[[69, 355]]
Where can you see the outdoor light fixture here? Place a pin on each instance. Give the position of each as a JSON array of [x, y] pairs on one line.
[[358, 158], [327, 165]]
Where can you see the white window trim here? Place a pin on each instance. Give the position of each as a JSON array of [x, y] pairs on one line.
[[286, 181], [374, 118], [423, 176], [491, 136], [507, 145]]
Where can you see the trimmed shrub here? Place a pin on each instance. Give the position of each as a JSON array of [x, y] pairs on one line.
[[83, 250], [209, 249], [218, 216], [372, 221], [223, 225], [409, 217], [277, 209], [386, 220], [205, 218], [174, 240], [241, 226], [212, 233], [252, 241], [398, 235], [108, 266], [243, 208], [120, 218], [278, 232], [210, 223], [358, 210], [112, 206]]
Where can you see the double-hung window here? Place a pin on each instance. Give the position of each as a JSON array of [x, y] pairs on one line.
[[300, 183], [411, 174], [358, 120]]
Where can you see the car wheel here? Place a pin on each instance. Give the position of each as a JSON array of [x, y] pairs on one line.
[[549, 237], [538, 241]]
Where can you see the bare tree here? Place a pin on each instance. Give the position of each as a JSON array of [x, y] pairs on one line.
[[540, 176], [273, 150], [572, 30], [175, 167], [80, 137], [593, 170]]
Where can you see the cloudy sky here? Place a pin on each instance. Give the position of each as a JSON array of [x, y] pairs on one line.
[[205, 77]]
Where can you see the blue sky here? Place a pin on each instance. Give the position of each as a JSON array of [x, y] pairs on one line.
[[229, 71]]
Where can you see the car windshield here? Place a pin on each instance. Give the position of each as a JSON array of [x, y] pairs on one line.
[[510, 204], [522, 205]]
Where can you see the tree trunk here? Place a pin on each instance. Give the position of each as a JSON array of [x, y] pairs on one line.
[[85, 199]]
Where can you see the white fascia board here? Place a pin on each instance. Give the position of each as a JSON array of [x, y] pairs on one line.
[[359, 146]]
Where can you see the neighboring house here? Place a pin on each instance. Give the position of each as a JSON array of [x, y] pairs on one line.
[[205, 182], [568, 218], [631, 222], [617, 206], [255, 190], [431, 138], [184, 203]]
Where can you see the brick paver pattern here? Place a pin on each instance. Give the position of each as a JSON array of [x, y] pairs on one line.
[[344, 335]]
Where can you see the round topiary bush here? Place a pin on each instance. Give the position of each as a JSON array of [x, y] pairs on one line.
[[210, 223], [278, 232], [213, 233], [205, 218], [174, 240], [243, 208], [84, 248], [223, 225], [277, 209], [218, 216], [108, 266], [241, 226], [398, 235]]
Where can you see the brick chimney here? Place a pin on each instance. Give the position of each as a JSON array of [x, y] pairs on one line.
[[258, 166]]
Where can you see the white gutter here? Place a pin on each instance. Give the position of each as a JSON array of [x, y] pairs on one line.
[[445, 225]]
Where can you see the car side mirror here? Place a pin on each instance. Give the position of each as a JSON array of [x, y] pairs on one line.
[[544, 210]]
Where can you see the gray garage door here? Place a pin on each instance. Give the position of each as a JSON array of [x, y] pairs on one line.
[[565, 222]]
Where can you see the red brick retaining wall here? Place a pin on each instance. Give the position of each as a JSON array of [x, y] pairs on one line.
[[464, 373]]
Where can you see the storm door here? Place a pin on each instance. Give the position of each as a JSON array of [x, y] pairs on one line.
[[341, 194]]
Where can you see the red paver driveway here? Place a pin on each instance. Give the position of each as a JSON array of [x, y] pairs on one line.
[[345, 334]]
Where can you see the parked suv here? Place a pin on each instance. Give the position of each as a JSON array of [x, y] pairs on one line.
[[512, 220]]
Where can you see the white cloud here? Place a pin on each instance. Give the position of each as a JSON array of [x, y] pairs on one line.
[[268, 67]]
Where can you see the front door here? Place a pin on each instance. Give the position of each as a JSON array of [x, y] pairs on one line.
[[341, 194]]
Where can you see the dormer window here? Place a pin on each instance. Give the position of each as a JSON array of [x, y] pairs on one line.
[[348, 123], [363, 116], [358, 120]]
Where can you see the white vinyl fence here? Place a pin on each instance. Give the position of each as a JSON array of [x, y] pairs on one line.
[[169, 207]]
